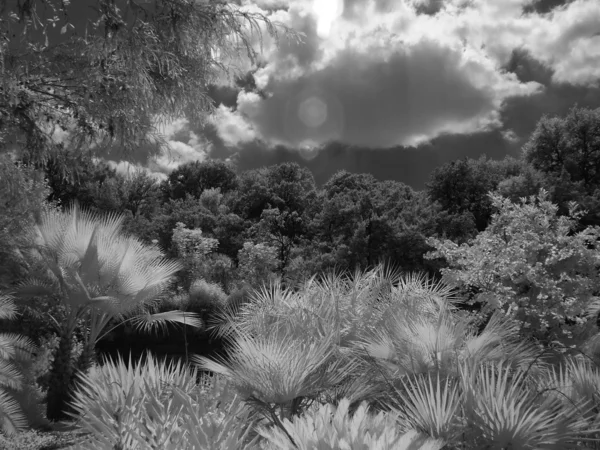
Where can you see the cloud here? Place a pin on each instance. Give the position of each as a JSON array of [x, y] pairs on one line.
[[127, 169], [184, 145], [397, 87], [232, 128], [384, 76]]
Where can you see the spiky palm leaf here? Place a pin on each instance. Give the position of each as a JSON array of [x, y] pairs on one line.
[[111, 401]]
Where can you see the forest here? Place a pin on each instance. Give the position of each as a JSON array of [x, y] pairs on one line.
[[229, 309]]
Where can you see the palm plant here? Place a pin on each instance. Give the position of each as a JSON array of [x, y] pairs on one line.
[[157, 405], [503, 410], [12, 347], [331, 427], [100, 276]]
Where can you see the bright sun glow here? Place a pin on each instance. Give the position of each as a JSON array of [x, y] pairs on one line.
[[327, 11]]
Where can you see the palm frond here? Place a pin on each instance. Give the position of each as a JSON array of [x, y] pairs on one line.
[[276, 370], [331, 427], [10, 375], [504, 412], [149, 322], [16, 346], [431, 405], [8, 308], [12, 419]]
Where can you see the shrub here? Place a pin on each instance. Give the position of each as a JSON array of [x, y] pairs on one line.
[[531, 264], [205, 295]]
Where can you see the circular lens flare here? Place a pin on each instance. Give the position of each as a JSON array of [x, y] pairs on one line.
[[313, 112]]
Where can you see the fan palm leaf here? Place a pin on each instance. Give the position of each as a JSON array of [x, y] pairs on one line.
[[100, 275], [503, 412], [272, 369], [431, 406]]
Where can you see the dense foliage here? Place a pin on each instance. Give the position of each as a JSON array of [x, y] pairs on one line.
[[469, 320]]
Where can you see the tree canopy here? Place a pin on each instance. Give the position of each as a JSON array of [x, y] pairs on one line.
[[103, 73]]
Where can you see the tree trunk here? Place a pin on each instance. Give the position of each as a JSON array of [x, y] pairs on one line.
[[61, 373], [87, 358]]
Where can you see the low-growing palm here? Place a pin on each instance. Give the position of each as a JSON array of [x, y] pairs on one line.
[[12, 347], [100, 275], [158, 405]]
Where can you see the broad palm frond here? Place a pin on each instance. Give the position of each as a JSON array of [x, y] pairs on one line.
[[95, 266], [148, 322]]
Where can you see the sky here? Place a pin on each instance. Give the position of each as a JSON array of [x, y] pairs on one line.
[[397, 87]]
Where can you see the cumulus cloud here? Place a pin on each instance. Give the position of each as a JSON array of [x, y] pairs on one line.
[[232, 128], [384, 75], [128, 169], [439, 75], [184, 145]]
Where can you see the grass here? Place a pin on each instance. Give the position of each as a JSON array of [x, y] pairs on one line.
[[61, 436]]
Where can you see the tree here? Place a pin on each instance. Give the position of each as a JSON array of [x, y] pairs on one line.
[[23, 193], [567, 151], [105, 70], [461, 187], [195, 177], [101, 276], [363, 221], [257, 264], [530, 264], [140, 193], [570, 144], [276, 202], [193, 249]]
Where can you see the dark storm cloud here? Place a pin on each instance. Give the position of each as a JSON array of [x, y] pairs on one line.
[[544, 6]]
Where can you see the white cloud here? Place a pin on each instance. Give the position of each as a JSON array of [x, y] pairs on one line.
[[184, 146], [383, 76], [126, 168], [231, 127]]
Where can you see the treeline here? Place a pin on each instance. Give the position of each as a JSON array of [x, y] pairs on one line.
[[276, 222]]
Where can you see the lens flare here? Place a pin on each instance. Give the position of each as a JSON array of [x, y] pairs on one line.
[[313, 112]]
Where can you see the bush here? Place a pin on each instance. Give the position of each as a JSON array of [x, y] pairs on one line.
[[205, 295]]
